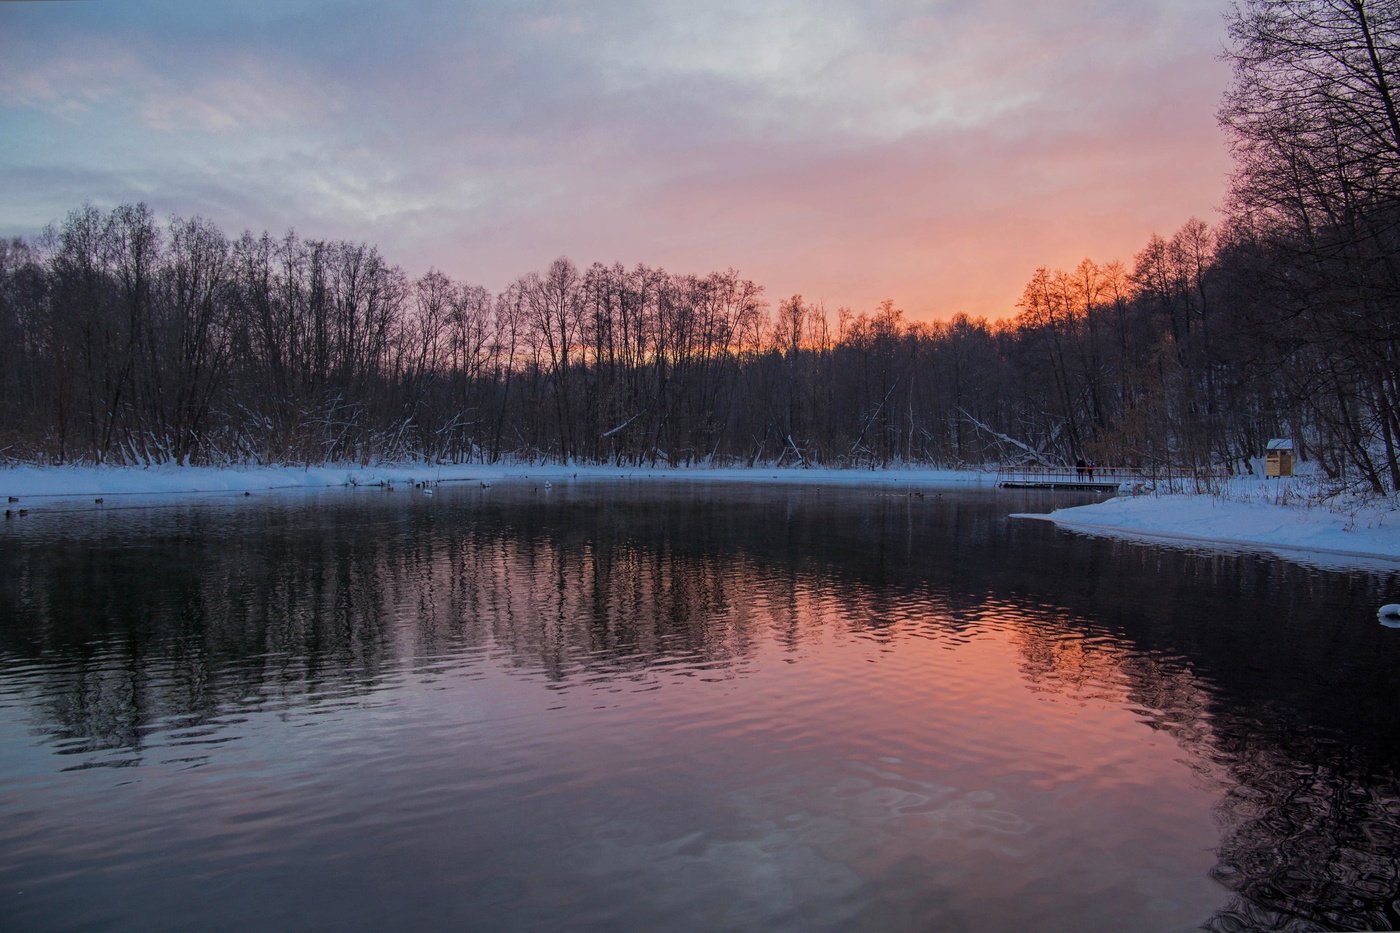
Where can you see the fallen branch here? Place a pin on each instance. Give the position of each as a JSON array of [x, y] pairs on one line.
[[621, 426], [1037, 455], [802, 461]]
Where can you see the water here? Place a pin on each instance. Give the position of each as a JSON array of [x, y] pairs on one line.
[[639, 706]]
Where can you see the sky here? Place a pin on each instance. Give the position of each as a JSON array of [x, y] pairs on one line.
[[931, 153]]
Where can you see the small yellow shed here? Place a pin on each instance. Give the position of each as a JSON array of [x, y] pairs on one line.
[[1278, 457]]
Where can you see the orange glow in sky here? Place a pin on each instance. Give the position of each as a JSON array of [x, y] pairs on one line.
[[930, 153]]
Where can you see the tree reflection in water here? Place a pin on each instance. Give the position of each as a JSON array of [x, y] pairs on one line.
[[186, 619]]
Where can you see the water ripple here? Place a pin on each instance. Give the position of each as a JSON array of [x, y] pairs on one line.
[[796, 711]]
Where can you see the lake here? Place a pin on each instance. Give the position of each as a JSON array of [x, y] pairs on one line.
[[653, 704]]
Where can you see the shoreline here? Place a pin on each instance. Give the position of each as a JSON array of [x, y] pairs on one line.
[[1368, 533], [1244, 518], [1294, 551], [64, 482]]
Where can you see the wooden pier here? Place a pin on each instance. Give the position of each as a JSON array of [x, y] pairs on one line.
[[1106, 479], [1098, 479]]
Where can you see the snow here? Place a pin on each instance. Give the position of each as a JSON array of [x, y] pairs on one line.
[[34, 485], [1356, 535], [1246, 516]]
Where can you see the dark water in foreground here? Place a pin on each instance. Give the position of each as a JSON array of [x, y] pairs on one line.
[[618, 706]]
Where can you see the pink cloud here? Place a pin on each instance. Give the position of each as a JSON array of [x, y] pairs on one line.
[[934, 155]]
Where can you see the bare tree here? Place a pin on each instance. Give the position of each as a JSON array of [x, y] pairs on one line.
[[1315, 203]]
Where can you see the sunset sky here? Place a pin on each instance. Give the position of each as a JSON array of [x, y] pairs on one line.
[[934, 153]]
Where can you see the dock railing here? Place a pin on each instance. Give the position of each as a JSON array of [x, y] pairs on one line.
[[1158, 479]]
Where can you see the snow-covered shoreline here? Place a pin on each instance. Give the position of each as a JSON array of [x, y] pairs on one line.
[[39, 484], [1361, 534]]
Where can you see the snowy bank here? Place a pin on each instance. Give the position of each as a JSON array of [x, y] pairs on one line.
[[1370, 532], [34, 485], [1362, 531]]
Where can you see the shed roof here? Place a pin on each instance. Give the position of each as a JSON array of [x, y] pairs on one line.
[[1280, 443]]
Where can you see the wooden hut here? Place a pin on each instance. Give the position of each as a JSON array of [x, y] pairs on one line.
[[1278, 457]]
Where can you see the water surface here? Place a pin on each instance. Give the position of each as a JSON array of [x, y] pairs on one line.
[[637, 706]]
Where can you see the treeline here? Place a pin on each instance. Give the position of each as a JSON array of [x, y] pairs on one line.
[[131, 341]]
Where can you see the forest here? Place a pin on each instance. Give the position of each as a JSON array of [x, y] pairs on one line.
[[129, 339]]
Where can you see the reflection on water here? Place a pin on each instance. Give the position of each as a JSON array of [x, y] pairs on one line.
[[608, 706]]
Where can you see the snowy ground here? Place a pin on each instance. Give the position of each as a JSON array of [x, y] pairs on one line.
[[1251, 515], [36, 485], [1248, 515]]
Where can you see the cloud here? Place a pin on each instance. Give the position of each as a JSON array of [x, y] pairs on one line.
[[933, 152], [66, 86]]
